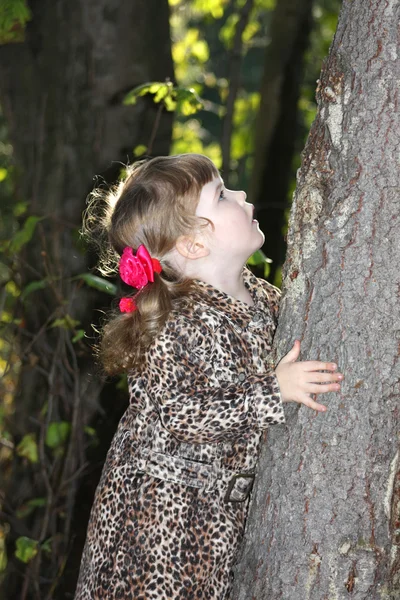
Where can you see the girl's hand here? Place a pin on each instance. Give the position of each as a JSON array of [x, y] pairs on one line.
[[299, 380]]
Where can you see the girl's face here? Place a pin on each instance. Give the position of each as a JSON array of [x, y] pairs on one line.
[[235, 233]]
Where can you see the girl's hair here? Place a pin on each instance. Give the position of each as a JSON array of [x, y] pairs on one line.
[[153, 204]]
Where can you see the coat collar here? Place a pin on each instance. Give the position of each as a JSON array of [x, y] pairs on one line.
[[239, 313]]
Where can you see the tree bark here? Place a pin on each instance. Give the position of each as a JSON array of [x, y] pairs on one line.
[[324, 520], [61, 91]]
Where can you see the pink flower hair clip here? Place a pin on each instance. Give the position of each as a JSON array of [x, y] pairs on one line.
[[136, 271]]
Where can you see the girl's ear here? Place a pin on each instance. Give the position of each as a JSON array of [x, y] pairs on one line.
[[191, 247]]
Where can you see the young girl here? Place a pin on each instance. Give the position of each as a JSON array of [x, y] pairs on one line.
[[194, 335]]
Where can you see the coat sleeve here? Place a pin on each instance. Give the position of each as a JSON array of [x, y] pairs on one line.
[[195, 407]]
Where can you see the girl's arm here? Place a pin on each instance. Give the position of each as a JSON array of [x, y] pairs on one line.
[[192, 405]]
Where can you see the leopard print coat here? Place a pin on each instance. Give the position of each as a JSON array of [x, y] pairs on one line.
[[170, 508]]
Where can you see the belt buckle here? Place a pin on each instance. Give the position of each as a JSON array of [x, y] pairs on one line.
[[231, 485]]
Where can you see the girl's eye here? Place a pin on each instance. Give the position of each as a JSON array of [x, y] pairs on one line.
[[221, 196]]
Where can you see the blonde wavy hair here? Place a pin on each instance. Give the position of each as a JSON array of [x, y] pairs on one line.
[[153, 204]]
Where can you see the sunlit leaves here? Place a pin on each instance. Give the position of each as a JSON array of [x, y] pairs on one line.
[[159, 89], [212, 8], [175, 98], [227, 32], [191, 47], [246, 107], [191, 137]]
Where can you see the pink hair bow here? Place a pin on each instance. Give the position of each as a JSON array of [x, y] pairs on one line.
[[136, 271]]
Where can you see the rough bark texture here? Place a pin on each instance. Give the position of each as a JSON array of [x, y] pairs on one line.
[[61, 91], [324, 522]]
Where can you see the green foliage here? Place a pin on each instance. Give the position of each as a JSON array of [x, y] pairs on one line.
[[98, 283], [65, 322], [28, 507], [33, 287], [260, 259], [24, 235], [78, 336], [26, 548], [57, 433], [209, 8], [191, 137], [27, 448], [14, 14], [174, 98]]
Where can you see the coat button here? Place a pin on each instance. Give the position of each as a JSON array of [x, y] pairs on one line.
[[242, 376]]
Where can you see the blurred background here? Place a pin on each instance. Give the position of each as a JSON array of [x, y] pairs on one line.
[[87, 86]]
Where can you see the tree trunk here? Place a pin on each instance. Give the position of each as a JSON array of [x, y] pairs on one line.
[[61, 91], [324, 521]]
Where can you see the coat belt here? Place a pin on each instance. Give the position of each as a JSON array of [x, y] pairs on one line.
[[236, 486]]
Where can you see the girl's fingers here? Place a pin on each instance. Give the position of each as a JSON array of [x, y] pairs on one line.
[[293, 354], [316, 365], [318, 388], [310, 403], [324, 377]]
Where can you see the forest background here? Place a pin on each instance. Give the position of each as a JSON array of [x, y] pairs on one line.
[[228, 58]]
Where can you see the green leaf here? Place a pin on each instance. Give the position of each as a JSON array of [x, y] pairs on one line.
[[13, 16], [46, 545], [188, 101], [78, 336], [27, 448], [3, 174], [151, 87], [28, 507], [89, 430], [33, 286], [26, 548], [140, 150], [161, 93], [98, 282], [57, 433], [258, 258], [24, 235], [66, 322]]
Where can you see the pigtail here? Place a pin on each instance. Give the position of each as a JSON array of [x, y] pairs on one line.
[[136, 330]]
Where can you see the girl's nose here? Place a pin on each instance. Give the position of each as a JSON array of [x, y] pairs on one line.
[[242, 196]]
